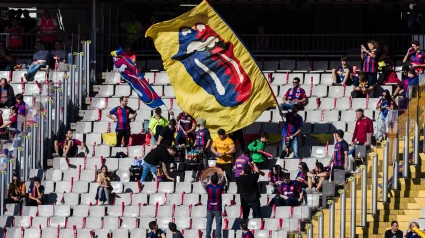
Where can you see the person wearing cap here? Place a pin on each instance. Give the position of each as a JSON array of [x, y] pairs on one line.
[[223, 147], [159, 157], [185, 129], [340, 153], [202, 142], [156, 123], [291, 130]]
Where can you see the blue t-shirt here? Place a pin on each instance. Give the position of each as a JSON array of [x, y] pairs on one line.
[[158, 234]]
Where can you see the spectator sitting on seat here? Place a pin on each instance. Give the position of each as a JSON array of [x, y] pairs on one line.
[[40, 60], [203, 140], [104, 190], [155, 231], [13, 121], [36, 193], [340, 155], [362, 86], [316, 178], [276, 175], [224, 148], [21, 105], [58, 53], [130, 53], [5, 58], [291, 130], [341, 75], [290, 193], [156, 123], [7, 94], [414, 231], [385, 63], [384, 104], [404, 75], [364, 126], [185, 129], [123, 119], [370, 57], [246, 233], [214, 190], [14, 30], [258, 158], [394, 232], [409, 82], [67, 147], [416, 57], [16, 191], [294, 96], [166, 136], [249, 192], [157, 160], [301, 176], [173, 228]]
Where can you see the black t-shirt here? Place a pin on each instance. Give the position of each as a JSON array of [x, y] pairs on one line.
[[158, 155], [178, 234], [167, 136], [390, 234], [248, 187]]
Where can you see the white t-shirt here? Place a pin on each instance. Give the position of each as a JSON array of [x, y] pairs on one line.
[[41, 55]]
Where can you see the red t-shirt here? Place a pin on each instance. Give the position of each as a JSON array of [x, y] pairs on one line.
[[363, 127]]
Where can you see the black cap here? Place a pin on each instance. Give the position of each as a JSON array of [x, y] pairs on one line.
[[221, 132]]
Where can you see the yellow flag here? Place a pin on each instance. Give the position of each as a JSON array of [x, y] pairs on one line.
[[213, 74]]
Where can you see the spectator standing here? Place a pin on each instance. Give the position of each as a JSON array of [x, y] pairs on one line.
[[384, 104], [36, 193], [21, 105], [16, 191], [394, 232], [342, 75], [5, 58], [166, 136], [173, 228], [261, 40], [7, 94], [214, 204], [152, 20], [130, 53], [238, 136], [258, 158], [416, 57], [364, 125], [290, 193], [67, 147], [294, 96], [291, 129], [370, 57], [40, 60], [156, 123], [223, 147], [316, 178], [133, 27], [159, 157], [14, 30], [186, 126], [13, 121], [246, 233], [301, 176], [340, 155], [58, 53], [48, 26], [203, 140], [240, 163], [28, 22], [362, 86], [249, 193], [122, 118], [155, 231], [104, 190]]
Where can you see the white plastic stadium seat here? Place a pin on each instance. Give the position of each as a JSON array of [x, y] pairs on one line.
[[327, 103]]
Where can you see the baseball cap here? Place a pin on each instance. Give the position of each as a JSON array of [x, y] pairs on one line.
[[201, 122], [221, 132]]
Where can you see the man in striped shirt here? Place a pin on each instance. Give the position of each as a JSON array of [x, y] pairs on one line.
[[340, 153], [290, 131], [214, 190], [416, 57], [123, 119]]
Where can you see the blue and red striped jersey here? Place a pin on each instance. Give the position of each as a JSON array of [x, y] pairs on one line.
[[409, 82], [123, 117], [214, 197], [291, 189], [22, 108], [417, 58], [339, 156], [247, 234], [370, 65], [295, 93], [292, 124], [186, 121], [343, 71], [274, 178], [202, 137]]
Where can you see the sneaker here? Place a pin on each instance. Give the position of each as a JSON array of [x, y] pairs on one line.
[[314, 190], [307, 190], [192, 180], [55, 155], [339, 84], [334, 84]]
